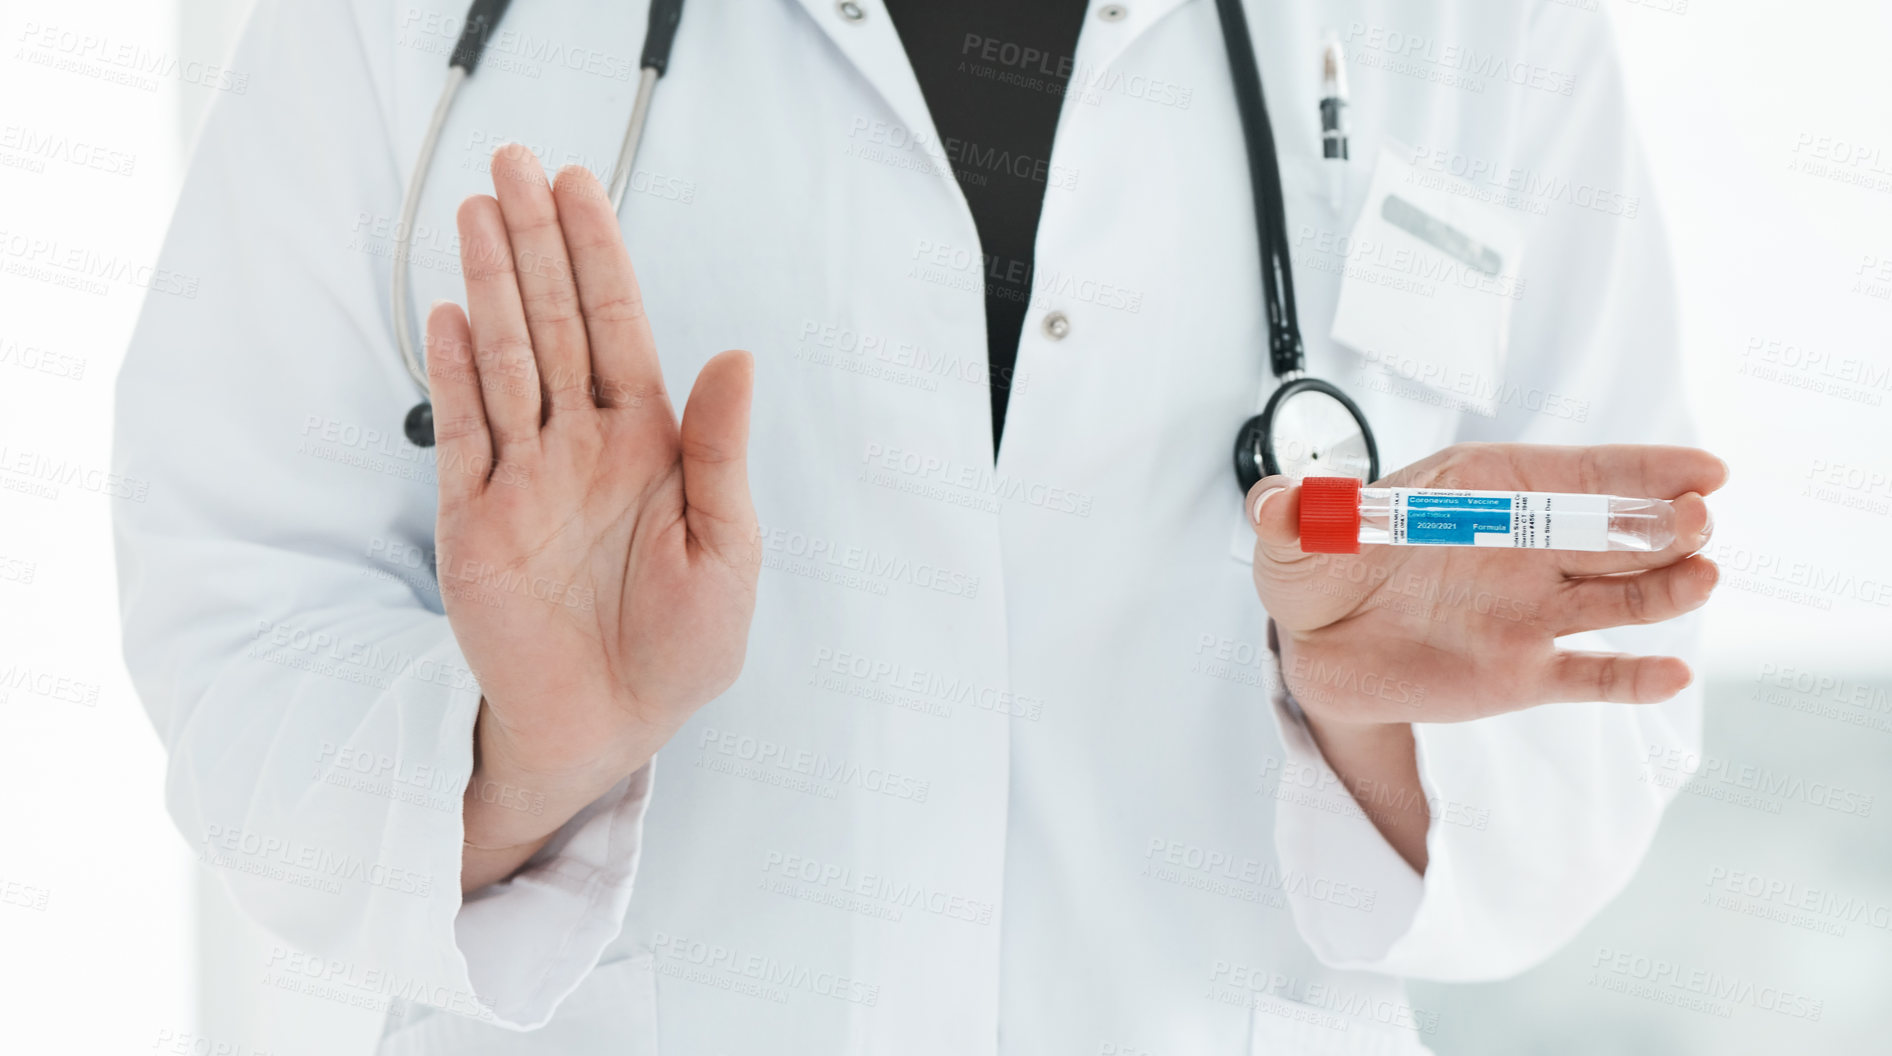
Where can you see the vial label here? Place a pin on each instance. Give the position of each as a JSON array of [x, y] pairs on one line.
[[1530, 520]]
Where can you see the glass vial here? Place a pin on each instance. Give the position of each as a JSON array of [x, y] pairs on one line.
[[1338, 515]]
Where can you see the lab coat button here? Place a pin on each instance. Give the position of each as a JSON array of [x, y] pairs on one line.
[[1112, 12], [1057, 324], [850, 10]]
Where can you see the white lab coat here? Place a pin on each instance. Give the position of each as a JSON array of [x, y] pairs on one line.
[[1005, 770]]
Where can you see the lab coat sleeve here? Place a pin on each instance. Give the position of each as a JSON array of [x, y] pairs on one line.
[[281, 620], [1538, 817]]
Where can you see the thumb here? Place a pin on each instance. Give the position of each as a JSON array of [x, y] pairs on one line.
[[1274, 511], [715, 446], [1287, 579]]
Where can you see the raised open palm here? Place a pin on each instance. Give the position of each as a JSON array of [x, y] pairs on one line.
[[597, 560], [1400, 634]]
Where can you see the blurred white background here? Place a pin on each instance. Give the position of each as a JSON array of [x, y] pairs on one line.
[[1770, 129]]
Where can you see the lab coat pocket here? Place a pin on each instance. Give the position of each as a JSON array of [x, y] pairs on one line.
[[614, 1010], [1429, 277]]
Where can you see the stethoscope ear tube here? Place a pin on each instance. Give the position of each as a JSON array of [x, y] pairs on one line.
[[659, 35], [665, 15], [420, 428], [481, 19]]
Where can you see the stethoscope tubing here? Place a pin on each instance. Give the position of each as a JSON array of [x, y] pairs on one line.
[[404, 231], [481, 19], [1255, 455], [1287, 357]]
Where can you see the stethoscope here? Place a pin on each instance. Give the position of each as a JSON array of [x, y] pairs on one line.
[[1307, 427], [481, 20]]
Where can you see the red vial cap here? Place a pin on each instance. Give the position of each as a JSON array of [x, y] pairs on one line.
[[1330, 515]]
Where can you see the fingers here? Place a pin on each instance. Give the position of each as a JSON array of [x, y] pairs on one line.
[[1692, 525], [1274, 511], [1650, 596], [623, 354], [715, 442], [1637, 470], [1575, 676], [544, 275], [464, 450], [502, 345]]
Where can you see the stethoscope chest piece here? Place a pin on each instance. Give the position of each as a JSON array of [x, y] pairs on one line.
[[1308, 428]]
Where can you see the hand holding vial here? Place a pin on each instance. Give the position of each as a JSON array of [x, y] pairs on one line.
[[1458, 619], [1458, 608]]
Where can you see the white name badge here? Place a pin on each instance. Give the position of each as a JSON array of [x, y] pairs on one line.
[[1430, 279]]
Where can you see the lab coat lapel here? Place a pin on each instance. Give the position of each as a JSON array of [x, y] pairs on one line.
[[1104, 40], [873, 46]]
